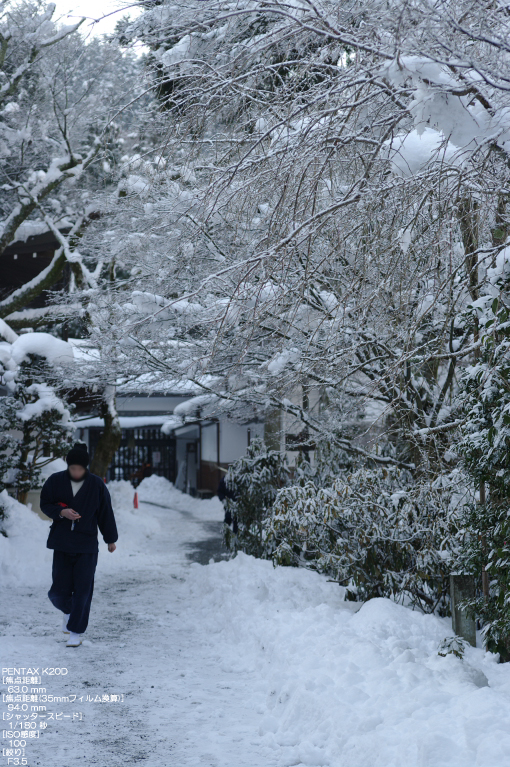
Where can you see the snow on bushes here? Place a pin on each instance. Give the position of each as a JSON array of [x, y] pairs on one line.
[[254, 481], [35, 419], [372, 529], [485, 451]]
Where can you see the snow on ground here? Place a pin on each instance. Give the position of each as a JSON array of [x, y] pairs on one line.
[[22, 553], [236, 663], [158, 490], [340, 684]]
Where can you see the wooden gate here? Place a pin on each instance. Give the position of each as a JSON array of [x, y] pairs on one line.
[[142, 452]]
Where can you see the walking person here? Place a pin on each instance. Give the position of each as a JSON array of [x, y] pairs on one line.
[[78, 502]]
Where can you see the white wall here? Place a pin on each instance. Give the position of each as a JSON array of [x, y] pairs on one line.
[[209, 444], [234, 439]]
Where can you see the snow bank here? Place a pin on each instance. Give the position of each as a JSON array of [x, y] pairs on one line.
[[344, 685], [23, 554], [133, 525], [58, 464], [159, 490]]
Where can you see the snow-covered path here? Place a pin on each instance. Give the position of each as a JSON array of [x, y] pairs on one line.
[[178, 709], [237, 663]]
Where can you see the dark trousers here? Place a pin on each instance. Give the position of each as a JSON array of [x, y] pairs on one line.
[[73, 586]]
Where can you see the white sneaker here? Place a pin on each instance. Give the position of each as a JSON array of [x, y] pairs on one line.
[[64, 623], [74, 640]]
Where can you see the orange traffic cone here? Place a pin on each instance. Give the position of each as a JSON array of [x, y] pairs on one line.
[[135, 500]]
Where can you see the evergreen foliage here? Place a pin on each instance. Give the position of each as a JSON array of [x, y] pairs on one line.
[[453, 645], [485, 451], [374, 530], [254, 481], [35, 427]]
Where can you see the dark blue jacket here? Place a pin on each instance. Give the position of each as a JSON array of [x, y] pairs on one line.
[[92, 501]]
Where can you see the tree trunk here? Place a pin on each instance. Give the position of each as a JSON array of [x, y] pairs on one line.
[[110, 439], [273, 428]]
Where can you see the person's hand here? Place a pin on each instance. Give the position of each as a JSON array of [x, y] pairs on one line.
[[111, 547], [70, 514]]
